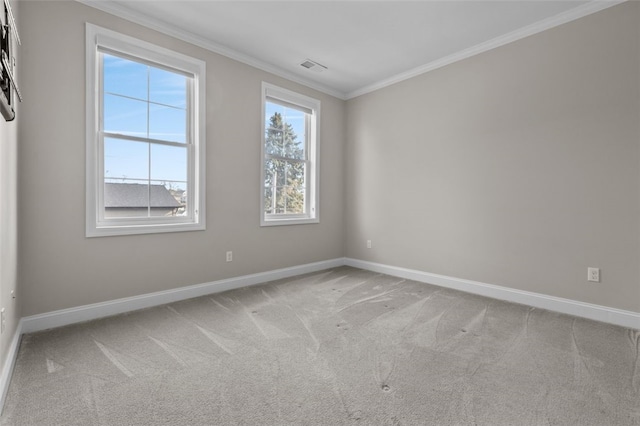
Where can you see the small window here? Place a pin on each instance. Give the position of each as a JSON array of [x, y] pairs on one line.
[[289, 157], [145, 137]]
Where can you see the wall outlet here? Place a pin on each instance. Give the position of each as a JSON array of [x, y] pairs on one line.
[[3, 320], [593, 274], [368, 244], [229, 256]]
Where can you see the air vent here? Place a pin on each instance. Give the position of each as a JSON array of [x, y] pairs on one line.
[[313, 66]]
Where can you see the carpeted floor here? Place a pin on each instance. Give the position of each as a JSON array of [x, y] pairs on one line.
[[339, 347]]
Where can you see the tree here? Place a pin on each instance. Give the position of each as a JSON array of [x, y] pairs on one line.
[[284, 168]]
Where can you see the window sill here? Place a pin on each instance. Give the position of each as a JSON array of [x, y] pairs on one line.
[[288, 221], [106, 231]]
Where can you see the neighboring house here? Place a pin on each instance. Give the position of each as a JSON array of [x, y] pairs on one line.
[[180, 195], [135, 200]]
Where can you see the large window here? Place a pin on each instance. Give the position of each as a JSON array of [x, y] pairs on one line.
[[289, 157], [145, 137]]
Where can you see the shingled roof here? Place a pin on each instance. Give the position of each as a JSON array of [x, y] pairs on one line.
[[134, 195]]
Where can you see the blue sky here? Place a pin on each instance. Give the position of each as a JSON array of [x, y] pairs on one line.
[[290, 115], [146, 102], [293, 117], [150, 102]]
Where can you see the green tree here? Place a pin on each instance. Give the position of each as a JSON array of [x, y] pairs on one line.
[[284, 168]]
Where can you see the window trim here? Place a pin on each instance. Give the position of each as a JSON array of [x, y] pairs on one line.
[[101, 39], [312, 141]]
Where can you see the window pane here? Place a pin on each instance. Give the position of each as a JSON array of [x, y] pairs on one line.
[[295, 199], [126, 160], [275, 200], [167, 88], [295, 174], [125, 198], [284, 200], [293, 146], [167, 123], [273, 144], [280, 201], [145, 105], [125, 77], [285, 129], [168, 163], [284, 172], [125, 116], [294, 124], [270, 110], [275, 172], [288, 143], [178, 191], [164, 200], [269, 196]]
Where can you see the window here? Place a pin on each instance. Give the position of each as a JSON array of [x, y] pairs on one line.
[[145, 137], [289, 178]]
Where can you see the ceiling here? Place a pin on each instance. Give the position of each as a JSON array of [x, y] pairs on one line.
[[365, 45]]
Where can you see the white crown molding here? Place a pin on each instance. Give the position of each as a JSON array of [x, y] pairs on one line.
[[168, 29], [171, 30], [600, 313], [546, 24]]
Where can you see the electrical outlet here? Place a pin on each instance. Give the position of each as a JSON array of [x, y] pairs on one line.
[[368, 244], [229, 256], [593, 274], [3, 320]]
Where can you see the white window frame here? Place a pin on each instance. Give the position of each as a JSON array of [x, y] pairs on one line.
[[312, 148], [98, 38]]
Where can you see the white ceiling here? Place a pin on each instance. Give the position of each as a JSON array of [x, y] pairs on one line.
[[364, 44]]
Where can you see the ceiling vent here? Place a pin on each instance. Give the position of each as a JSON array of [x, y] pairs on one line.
[[313, 66]]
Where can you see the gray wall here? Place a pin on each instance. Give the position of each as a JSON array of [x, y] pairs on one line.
[[9, 221], [517, 167], [60, 268]]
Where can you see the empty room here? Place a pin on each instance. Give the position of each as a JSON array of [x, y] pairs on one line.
[[320, 212]]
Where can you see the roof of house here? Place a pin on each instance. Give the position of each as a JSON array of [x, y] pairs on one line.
[[135, 195]]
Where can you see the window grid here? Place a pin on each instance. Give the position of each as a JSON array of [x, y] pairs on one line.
[[287, 161], [169, 171], [291, 199], [148, 140]]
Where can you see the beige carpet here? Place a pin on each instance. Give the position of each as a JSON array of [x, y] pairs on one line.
[[339, 347]]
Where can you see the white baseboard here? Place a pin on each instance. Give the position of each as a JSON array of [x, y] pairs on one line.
[[7, 368], [78, 314], [619, 317], [99, 310]]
